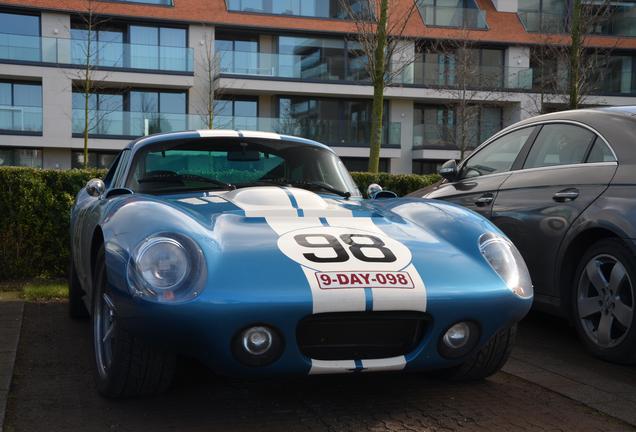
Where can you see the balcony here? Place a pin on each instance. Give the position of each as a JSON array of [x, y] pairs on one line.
[[450, 76], [446, 16], [442, 136], [613, 24], [540, 22], [104, 54], [289, 66], [127, 124], [20, 120]]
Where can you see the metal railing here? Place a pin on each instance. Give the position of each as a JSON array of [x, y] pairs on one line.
[[20, 119]]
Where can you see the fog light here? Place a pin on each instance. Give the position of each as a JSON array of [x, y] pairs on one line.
[[257, 345], [257, 340], [459, 339], [457, 336]]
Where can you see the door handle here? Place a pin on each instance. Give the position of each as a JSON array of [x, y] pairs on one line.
[[566, 195], [485, 199]]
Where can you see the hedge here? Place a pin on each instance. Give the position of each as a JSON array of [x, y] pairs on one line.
[[35, 210]]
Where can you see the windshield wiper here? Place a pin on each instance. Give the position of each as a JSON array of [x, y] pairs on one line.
[[323, 186]]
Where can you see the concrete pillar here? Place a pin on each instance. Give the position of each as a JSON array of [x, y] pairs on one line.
[[57, 106], [401, 111], [201, 39], [517, 62], [266, 106]]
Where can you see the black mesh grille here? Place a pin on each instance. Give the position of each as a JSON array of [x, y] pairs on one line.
[[360, 335]]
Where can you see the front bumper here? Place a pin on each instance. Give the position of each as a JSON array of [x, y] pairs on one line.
[[206, 327]]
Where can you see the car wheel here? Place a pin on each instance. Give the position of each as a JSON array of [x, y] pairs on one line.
[[489, 359], [603, 301], [125, 366], [76, 306]]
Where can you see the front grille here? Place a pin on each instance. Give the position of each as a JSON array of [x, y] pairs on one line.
[[360, 335]]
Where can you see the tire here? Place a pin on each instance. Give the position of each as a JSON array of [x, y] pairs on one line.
[[125, 365], [76, 307], [489, 359], [603, 301]]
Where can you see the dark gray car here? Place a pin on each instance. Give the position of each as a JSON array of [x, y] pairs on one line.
[[562, 186]]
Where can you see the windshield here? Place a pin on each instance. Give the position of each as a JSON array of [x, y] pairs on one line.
[[228, 163]]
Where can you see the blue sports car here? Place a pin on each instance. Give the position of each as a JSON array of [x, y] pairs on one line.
[[256, 254]]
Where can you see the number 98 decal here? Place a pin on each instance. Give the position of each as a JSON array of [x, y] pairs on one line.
[[336, 248]]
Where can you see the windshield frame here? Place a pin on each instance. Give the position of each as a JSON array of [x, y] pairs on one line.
[[210, 141]]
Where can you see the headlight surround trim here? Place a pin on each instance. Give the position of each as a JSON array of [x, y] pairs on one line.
[[504, 258]]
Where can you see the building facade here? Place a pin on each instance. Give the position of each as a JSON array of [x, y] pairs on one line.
[[287, 66]]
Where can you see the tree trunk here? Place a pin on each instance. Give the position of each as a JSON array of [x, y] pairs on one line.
[[575, 55], [377, 77]]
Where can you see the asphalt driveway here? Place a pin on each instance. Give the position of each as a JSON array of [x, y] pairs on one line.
[[52, 390]]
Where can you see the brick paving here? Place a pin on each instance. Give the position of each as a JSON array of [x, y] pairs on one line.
[[53, 390]]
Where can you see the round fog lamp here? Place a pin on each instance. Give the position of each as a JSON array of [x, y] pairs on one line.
[[457, 336], [257, 340]]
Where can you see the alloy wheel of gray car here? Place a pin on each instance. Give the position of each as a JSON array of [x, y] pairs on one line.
[[604, 301]]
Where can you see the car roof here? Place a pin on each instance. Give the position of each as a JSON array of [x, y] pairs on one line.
[[617, 125], [220, 133]]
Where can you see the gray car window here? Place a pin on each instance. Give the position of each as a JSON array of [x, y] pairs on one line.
[[559, 144], [498, 156], [600, 152]]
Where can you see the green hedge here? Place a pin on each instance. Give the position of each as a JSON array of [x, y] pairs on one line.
[[35, 209], [34, 220]]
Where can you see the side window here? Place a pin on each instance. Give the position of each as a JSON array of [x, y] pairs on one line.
[[559, 144], [121, 167], [111, 171], [498, 156], [600, 152]]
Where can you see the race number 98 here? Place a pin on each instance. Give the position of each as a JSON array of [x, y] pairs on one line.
[[364, 247]]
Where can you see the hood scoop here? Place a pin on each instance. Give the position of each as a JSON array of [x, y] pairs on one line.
[[273, 200]]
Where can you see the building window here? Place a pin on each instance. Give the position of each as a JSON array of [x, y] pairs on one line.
[[20, 107], [150, 2], [238, 113], [238, 54], [26, 157], [131, 113], [452, 13], [131, 46], [355, 164], [96, 159], [306, 8], [335, 122], [20, 37], [424, 166]]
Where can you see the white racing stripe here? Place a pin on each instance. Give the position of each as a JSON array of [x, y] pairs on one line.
[[218, 133], [384, 364], [321, 367]]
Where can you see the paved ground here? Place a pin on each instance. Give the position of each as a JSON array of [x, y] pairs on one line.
[[10, 322], [52, 390]]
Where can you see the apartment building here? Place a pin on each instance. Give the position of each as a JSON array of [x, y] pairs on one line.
[[289, 66]]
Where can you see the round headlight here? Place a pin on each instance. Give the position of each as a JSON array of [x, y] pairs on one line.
[[507, 262], [163, 263]]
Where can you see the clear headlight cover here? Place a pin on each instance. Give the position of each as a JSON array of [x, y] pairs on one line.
[[166, 268], [507, 262]]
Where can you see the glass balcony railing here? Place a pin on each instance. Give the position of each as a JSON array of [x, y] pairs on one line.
[[105, 54], [20, 119], [542, 22], [336, 133], [443, 136], [310, 67], [135, 124], [446, 16], [453, 76]]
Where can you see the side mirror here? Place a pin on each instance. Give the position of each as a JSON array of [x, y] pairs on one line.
[[375, 191], [95, 188], [449, 170]]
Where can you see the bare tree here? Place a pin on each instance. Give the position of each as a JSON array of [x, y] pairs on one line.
[[467, 85], [87, 80], [380, 27], [210, 90]]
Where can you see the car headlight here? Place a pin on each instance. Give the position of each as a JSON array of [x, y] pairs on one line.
[[507, 262], [166, 268]]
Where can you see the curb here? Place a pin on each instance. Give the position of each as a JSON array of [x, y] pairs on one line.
[[11, 313]]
